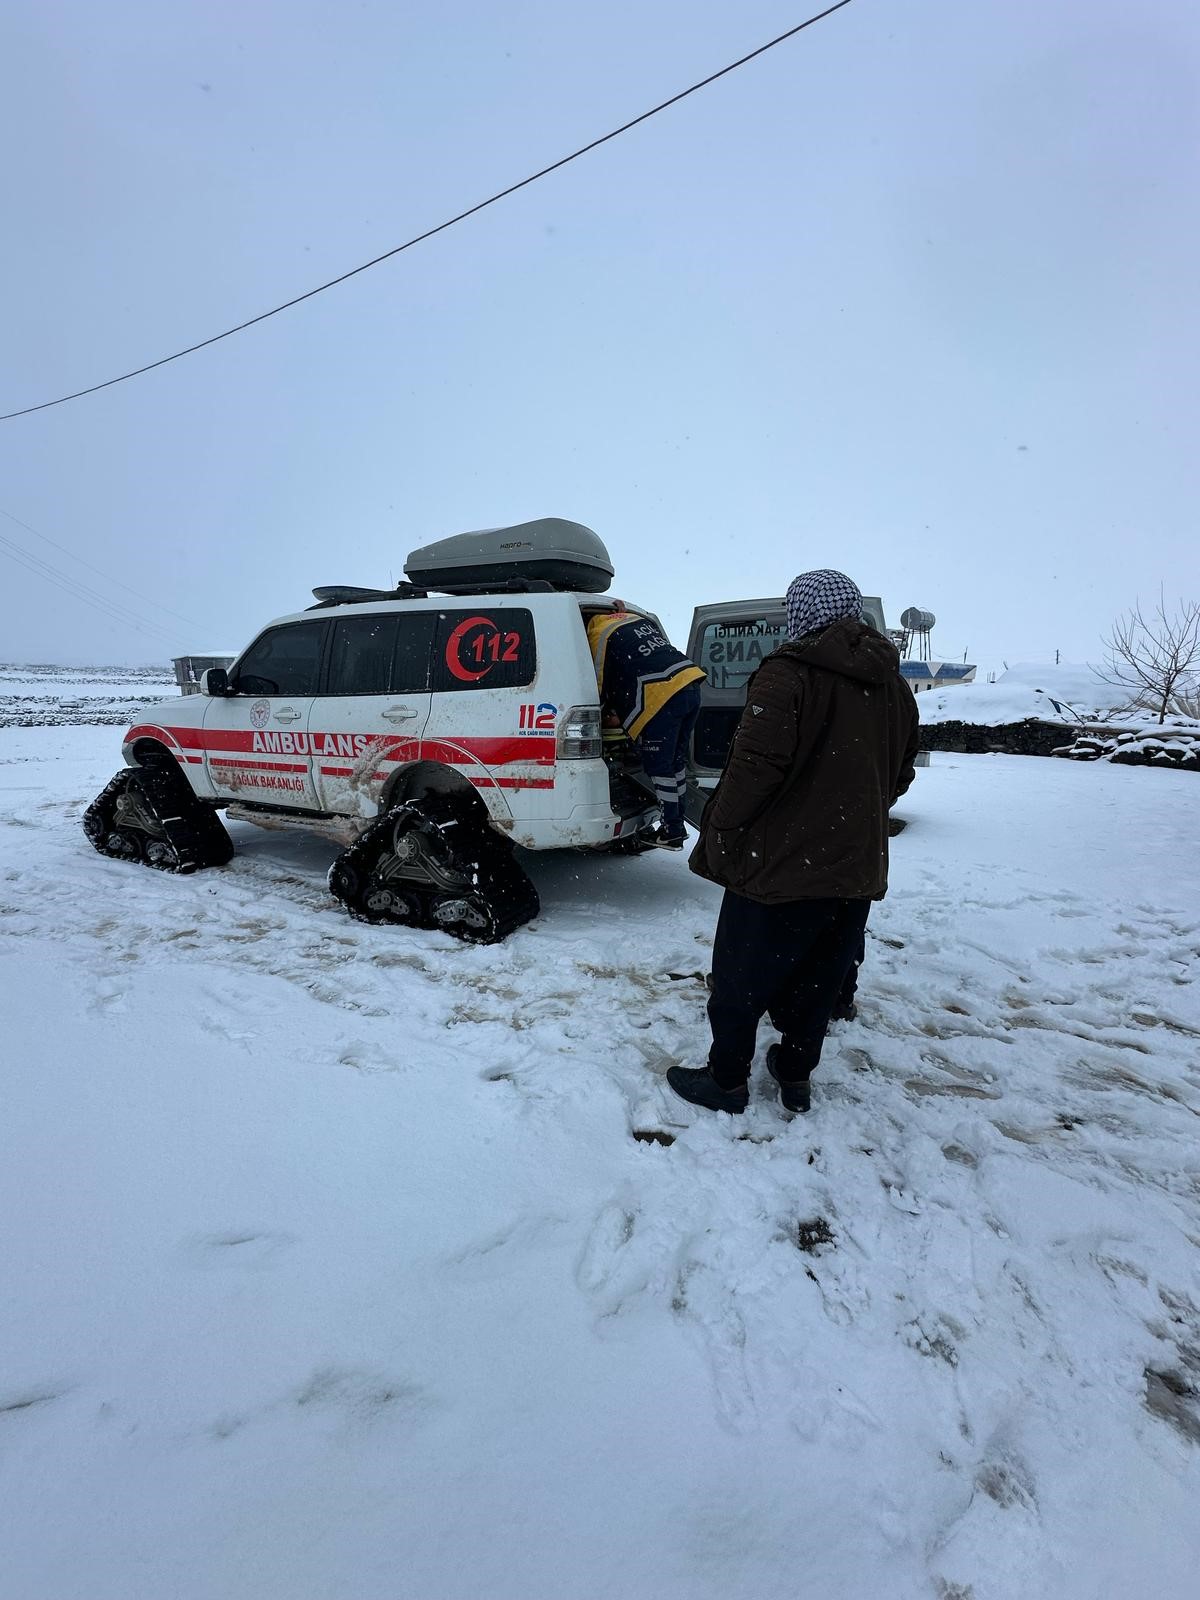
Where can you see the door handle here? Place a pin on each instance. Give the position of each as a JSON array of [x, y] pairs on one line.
[[286, 714], [398, 714]]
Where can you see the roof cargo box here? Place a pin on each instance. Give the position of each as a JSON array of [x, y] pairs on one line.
[[549, 552]]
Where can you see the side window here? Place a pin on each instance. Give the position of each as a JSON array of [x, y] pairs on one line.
[[410, 665], [491, 647], [284, 661], [360, 659]]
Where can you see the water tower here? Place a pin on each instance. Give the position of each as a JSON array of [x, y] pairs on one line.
[[917, 625]]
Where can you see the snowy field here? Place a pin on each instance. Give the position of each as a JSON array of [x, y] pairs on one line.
[[334, 1268], [51, 696]]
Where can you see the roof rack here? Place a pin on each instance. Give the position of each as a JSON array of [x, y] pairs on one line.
[[500, 586], [345, 594]]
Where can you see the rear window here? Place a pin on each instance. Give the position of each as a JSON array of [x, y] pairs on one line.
[[414, 638], [387, 653], [485, 647], [360, 660], [730, 652]]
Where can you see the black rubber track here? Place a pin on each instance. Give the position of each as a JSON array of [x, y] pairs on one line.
[[462, 859], [188, 834]]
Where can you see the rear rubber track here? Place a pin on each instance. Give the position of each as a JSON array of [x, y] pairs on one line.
[[435, 863], [150, 814]]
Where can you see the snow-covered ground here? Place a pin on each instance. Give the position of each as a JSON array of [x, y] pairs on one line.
[[1032, 690], [333, 1268], [51, 696]]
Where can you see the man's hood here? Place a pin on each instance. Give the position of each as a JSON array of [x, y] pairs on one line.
[[849, 647]]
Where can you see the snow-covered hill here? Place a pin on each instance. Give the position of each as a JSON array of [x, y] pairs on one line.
[[1068, 692], [347, 1263]]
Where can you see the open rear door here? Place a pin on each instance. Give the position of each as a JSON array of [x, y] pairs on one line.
[[730, 641]]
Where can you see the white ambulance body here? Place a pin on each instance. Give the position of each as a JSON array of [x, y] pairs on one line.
[[333, 714]]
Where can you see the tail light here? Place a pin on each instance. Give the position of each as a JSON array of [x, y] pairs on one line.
[[579, 734]]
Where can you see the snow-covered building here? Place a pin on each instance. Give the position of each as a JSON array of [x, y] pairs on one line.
[[921, 675]]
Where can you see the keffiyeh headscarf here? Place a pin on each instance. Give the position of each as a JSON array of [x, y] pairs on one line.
[[815, 599]]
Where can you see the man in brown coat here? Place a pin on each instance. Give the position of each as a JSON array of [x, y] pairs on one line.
[[797, 833]]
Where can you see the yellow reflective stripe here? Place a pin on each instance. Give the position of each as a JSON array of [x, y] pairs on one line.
[[608, 625], [655, 695]]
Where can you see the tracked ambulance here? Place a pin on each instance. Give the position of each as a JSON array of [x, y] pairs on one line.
[[429, 728]]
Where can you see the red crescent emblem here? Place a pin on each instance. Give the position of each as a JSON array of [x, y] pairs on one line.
[[454, 645]]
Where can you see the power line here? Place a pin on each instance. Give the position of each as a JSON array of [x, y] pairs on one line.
[[79, 591], [100, 572], [450, 222]]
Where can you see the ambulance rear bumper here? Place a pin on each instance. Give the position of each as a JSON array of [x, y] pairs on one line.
[[584, 828]]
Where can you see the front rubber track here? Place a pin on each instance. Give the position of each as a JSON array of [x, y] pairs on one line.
[[185, 834], [482, 890]]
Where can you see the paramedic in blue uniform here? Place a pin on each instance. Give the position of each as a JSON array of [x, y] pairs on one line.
[[653, 691]]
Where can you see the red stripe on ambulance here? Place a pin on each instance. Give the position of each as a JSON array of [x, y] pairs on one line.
[[227, 748]]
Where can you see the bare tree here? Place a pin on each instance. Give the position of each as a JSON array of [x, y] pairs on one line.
[[1155, 658]]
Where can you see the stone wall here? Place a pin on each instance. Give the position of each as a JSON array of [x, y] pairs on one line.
[[1136, 747], [1175, 747], [1011, 738]]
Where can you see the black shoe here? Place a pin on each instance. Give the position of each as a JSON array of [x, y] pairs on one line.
[[698, 1085], [797, 1095], [844, 1011], [669, 841]]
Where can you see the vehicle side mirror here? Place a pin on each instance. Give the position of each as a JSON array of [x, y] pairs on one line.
[[215, 682]]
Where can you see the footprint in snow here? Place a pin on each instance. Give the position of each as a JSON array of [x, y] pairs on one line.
[[934, 1337], [999, 1514], [833, 1415], [603, 1268], [845, 1297], [925, 1087], [359, 1397], [1174, 1399], [1149, 1019], [236, 1249], [352, 1398], [701, 1297], [369, 1058], [18, 1402], [627, 1259], [1172, 1391]]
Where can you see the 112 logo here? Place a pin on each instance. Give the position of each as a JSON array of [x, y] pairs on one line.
[[537, 719]]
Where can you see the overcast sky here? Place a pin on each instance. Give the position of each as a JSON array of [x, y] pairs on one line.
[[914, 296]]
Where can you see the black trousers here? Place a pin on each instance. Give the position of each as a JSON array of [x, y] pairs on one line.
[[788, 961], [850, 982]]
